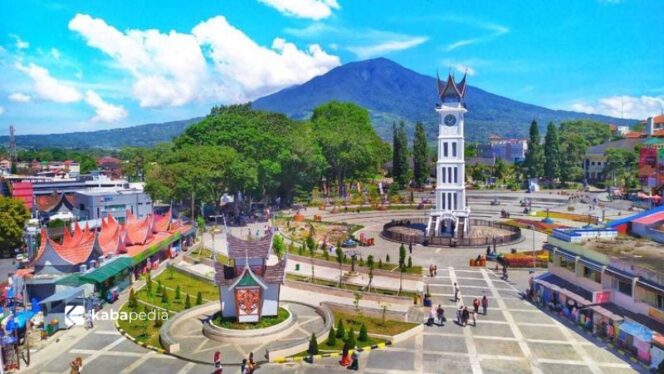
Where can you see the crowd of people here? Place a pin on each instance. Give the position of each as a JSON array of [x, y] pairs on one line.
[[464, 315]]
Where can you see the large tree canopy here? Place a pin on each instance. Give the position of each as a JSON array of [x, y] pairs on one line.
[[350, 145], [13, 216]]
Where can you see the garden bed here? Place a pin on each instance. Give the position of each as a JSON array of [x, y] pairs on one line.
[[232, 323], [142, 331]]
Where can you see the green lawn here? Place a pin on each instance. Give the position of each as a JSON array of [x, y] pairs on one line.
[[374, 325], [352, 287], [170, 279], [231, 322], [201, 253], [143, 331]]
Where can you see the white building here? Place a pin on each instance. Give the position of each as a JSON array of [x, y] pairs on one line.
[[450, 217]]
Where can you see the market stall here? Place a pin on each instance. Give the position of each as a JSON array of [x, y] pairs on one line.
[[636, 338]]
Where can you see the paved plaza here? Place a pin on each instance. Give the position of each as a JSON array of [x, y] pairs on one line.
[[514, 337]]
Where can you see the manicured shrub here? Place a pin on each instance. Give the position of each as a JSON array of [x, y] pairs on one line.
[[351, 338], [313, 344], [331, 337], [363, 336], [187, 302], [178, 295], [199, 298], [341, 332]]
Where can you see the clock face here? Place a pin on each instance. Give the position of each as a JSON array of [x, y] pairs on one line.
[[450, 120]]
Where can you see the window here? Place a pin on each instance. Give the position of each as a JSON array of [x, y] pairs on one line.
[[442, 196], [567, 263], [622, 287], [445, 149], [444, 170], [456, 175], [449, 200], [454, 149], [591, 274], [455, 195]]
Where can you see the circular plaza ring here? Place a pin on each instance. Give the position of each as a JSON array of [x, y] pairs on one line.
[[482, 233]]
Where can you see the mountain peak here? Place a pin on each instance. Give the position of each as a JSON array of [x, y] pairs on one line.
[[392, 93]]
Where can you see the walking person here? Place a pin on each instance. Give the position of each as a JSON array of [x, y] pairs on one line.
[[460, 315], [251, 365], [456, 292], [475, 318], [243, 366], [476, 304], [485, 304], [465, 315], [218, 369], [440, 313], [410, 247], [76, 366], [355, 360], [432, 317], [311, 350], [345, 355]]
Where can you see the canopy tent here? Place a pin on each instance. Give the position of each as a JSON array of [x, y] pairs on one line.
[[636, 330], [65, 295], [107, 270]]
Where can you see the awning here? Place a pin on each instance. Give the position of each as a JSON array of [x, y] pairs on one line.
[[65, 295], [626, 277], [637, 330], [594, 265], [607, 313], [73, 280], [109, 269], [568, 254], [650, 285], [156, 248]]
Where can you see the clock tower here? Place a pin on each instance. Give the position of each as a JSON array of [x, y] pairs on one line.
[[450, 217]]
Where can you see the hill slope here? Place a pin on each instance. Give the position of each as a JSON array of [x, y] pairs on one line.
[[135, 136], [392, 92]]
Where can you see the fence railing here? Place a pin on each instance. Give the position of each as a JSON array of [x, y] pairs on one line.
[[514, 235]]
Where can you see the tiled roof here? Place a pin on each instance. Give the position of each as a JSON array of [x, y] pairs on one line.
[[162, 223], [259, 248], [276, 273]]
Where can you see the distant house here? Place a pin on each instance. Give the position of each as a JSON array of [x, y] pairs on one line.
[[110, 166], [594, 160], [509, 150]]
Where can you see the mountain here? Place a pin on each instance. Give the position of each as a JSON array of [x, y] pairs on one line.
[[388, 90], [392, 92], [135, 136]]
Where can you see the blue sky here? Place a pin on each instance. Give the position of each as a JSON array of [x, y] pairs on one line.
[[87, 65]]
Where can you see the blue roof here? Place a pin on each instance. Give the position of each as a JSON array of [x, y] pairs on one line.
[[631, 218], [637, 330]]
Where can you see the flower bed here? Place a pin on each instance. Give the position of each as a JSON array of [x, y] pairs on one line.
[[524, 259], [540, 226]]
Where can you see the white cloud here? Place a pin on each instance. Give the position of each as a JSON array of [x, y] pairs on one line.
[[465, 69], [387, 47], [623, 106], [55, 53], [255, 69], [105, 112], [2, 110], [19, 97], [20, 44], [49, 88], [312, 9], [168, 68], [493, 31]]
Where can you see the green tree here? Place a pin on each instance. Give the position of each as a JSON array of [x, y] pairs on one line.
[[340, 261], [350, 338], [410, 262], [131, 303], [279, 246], [420, 158], [350, 145], [573, 146], [187, 301], [331, 337], [501, 169], [13, 217], [178, 295], [199, 298], [402, 265], [552, 153], [313, 344], [621, 165], [341, 332], [400, 154], [164, 297], [534, 161], [371, 264], [363, 336]]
